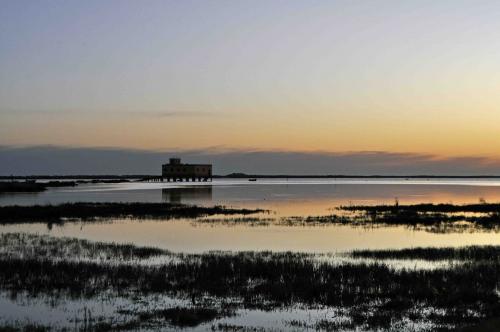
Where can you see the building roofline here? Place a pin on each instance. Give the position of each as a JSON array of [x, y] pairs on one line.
[[187, 164]]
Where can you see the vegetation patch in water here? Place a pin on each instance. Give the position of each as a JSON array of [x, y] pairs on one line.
[[470, 253], [24, 245], [91, 211], [32, 186], [224, 327], [24, 328], [438, 218], [438, 208], [184, 317]]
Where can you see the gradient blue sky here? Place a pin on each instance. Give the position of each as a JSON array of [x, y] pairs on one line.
[[332, 76]]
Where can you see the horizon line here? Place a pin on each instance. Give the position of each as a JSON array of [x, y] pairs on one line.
[[237, 175]]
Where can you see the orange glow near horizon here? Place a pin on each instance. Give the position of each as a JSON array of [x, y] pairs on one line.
[[390, 76], [443, 137]]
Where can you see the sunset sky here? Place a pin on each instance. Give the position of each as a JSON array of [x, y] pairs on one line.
[[418, 77]]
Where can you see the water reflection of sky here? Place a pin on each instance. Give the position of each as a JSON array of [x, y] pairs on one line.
[[285, 198], [184, 236]]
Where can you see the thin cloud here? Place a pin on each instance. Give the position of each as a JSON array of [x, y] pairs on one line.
[[180, 114], [174, 114], [77, 112], [87, 160]]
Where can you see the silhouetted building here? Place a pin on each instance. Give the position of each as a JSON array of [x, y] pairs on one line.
[[177, 171]]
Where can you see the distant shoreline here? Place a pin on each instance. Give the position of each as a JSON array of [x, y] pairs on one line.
[[247, 176]]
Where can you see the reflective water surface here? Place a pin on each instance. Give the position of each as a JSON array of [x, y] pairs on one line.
[[297, 197], [284, 199]]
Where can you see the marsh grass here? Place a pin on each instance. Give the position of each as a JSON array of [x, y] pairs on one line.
[[24, 245], [436, 218], [470, 254], [24, 328], [323, 325], [466, 293], [224, 327], [183, 316], [92, 211], [441, 208], [6, 187], [31, 186], [231, 221], [373, 294]]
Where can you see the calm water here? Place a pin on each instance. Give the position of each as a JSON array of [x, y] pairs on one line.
[[297, 197], [285, 197]]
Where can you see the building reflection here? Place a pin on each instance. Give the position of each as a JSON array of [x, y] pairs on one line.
[[191, 194]]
